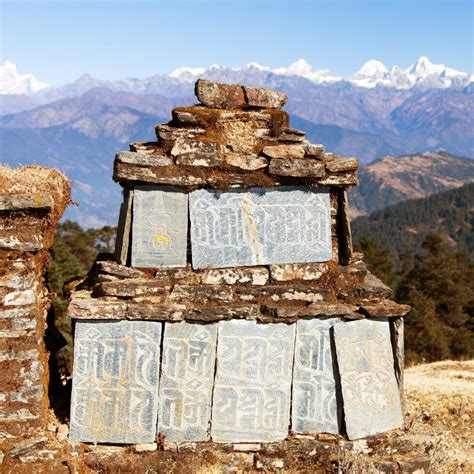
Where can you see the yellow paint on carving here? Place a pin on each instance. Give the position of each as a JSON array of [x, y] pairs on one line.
[[162, 239]]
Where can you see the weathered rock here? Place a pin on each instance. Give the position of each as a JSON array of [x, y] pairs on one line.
[[168, 135], [296, 168], [398, 346], [201, 295], [276, 293], [195, 159], [240, 228], [160, 226], [231, 276], [291, 135], [348, 178], [342, 164], [142, 159], [251, 401], [315, 406], [147, 148], [124, 228], [246, 161], [371, 289], [82, 306], [185, 117], [170, 175], [14, 202], [219, 313], [186, 382], [115, 382], [384, 309], [115, 269], [221, 96], [284, 151], [318, 309], [298, 271], [26, 446], [185, 147], [369, 388], [265, 98], [131, 288], [314, 151]]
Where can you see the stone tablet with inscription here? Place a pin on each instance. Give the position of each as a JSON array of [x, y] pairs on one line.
[[187, 377], [260, 226], [251, 400], [315, 406], [115, 381], [160, 227], [369, 388]]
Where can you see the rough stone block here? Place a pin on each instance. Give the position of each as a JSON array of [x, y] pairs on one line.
[[115, 381], [160, 223], [122, 242], [251, 401], [315, 406], [369, 388], [260, 226], [187, 376], [296, 168], [221, 96]]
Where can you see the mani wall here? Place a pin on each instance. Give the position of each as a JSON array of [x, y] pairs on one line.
[[234, 309], [32, 201]]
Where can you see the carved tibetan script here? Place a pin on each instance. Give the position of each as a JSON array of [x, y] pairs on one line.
[[251, 399], [187, 377], [369, 388], [115, 381], [260, 226], [160, 227], [315, 407]]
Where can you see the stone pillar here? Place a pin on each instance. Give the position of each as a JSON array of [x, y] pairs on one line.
[[32, 200]]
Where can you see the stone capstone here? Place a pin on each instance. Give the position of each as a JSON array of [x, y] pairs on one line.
[[234, 96]]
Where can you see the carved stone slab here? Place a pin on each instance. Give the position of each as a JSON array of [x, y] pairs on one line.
[[187, 377], [260, 226], [160, 223], [251, 400], [369, 388], [115, 381], [315, 407]]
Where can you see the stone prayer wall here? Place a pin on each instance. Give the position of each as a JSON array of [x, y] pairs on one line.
[[31, 202], [234, 309]]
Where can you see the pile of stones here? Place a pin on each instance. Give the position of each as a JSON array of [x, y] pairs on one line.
[[32, 200], [234, 309]]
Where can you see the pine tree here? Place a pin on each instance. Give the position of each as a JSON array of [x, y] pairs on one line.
[[440, 288], [378, 260]]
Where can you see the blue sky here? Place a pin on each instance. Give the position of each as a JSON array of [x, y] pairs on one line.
[[57, 41]]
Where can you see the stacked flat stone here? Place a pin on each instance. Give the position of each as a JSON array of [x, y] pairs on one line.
[[32, 200], [234, 309]]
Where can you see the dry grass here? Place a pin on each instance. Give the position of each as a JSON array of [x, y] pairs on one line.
[[439, 413]]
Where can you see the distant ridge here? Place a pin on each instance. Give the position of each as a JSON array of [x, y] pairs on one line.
[[392, 179], [403, 227]]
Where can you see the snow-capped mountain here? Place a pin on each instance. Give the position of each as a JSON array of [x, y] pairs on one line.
[[423, 74], [12, 82]]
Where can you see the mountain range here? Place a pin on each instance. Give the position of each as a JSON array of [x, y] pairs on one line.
[[375, 113]]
